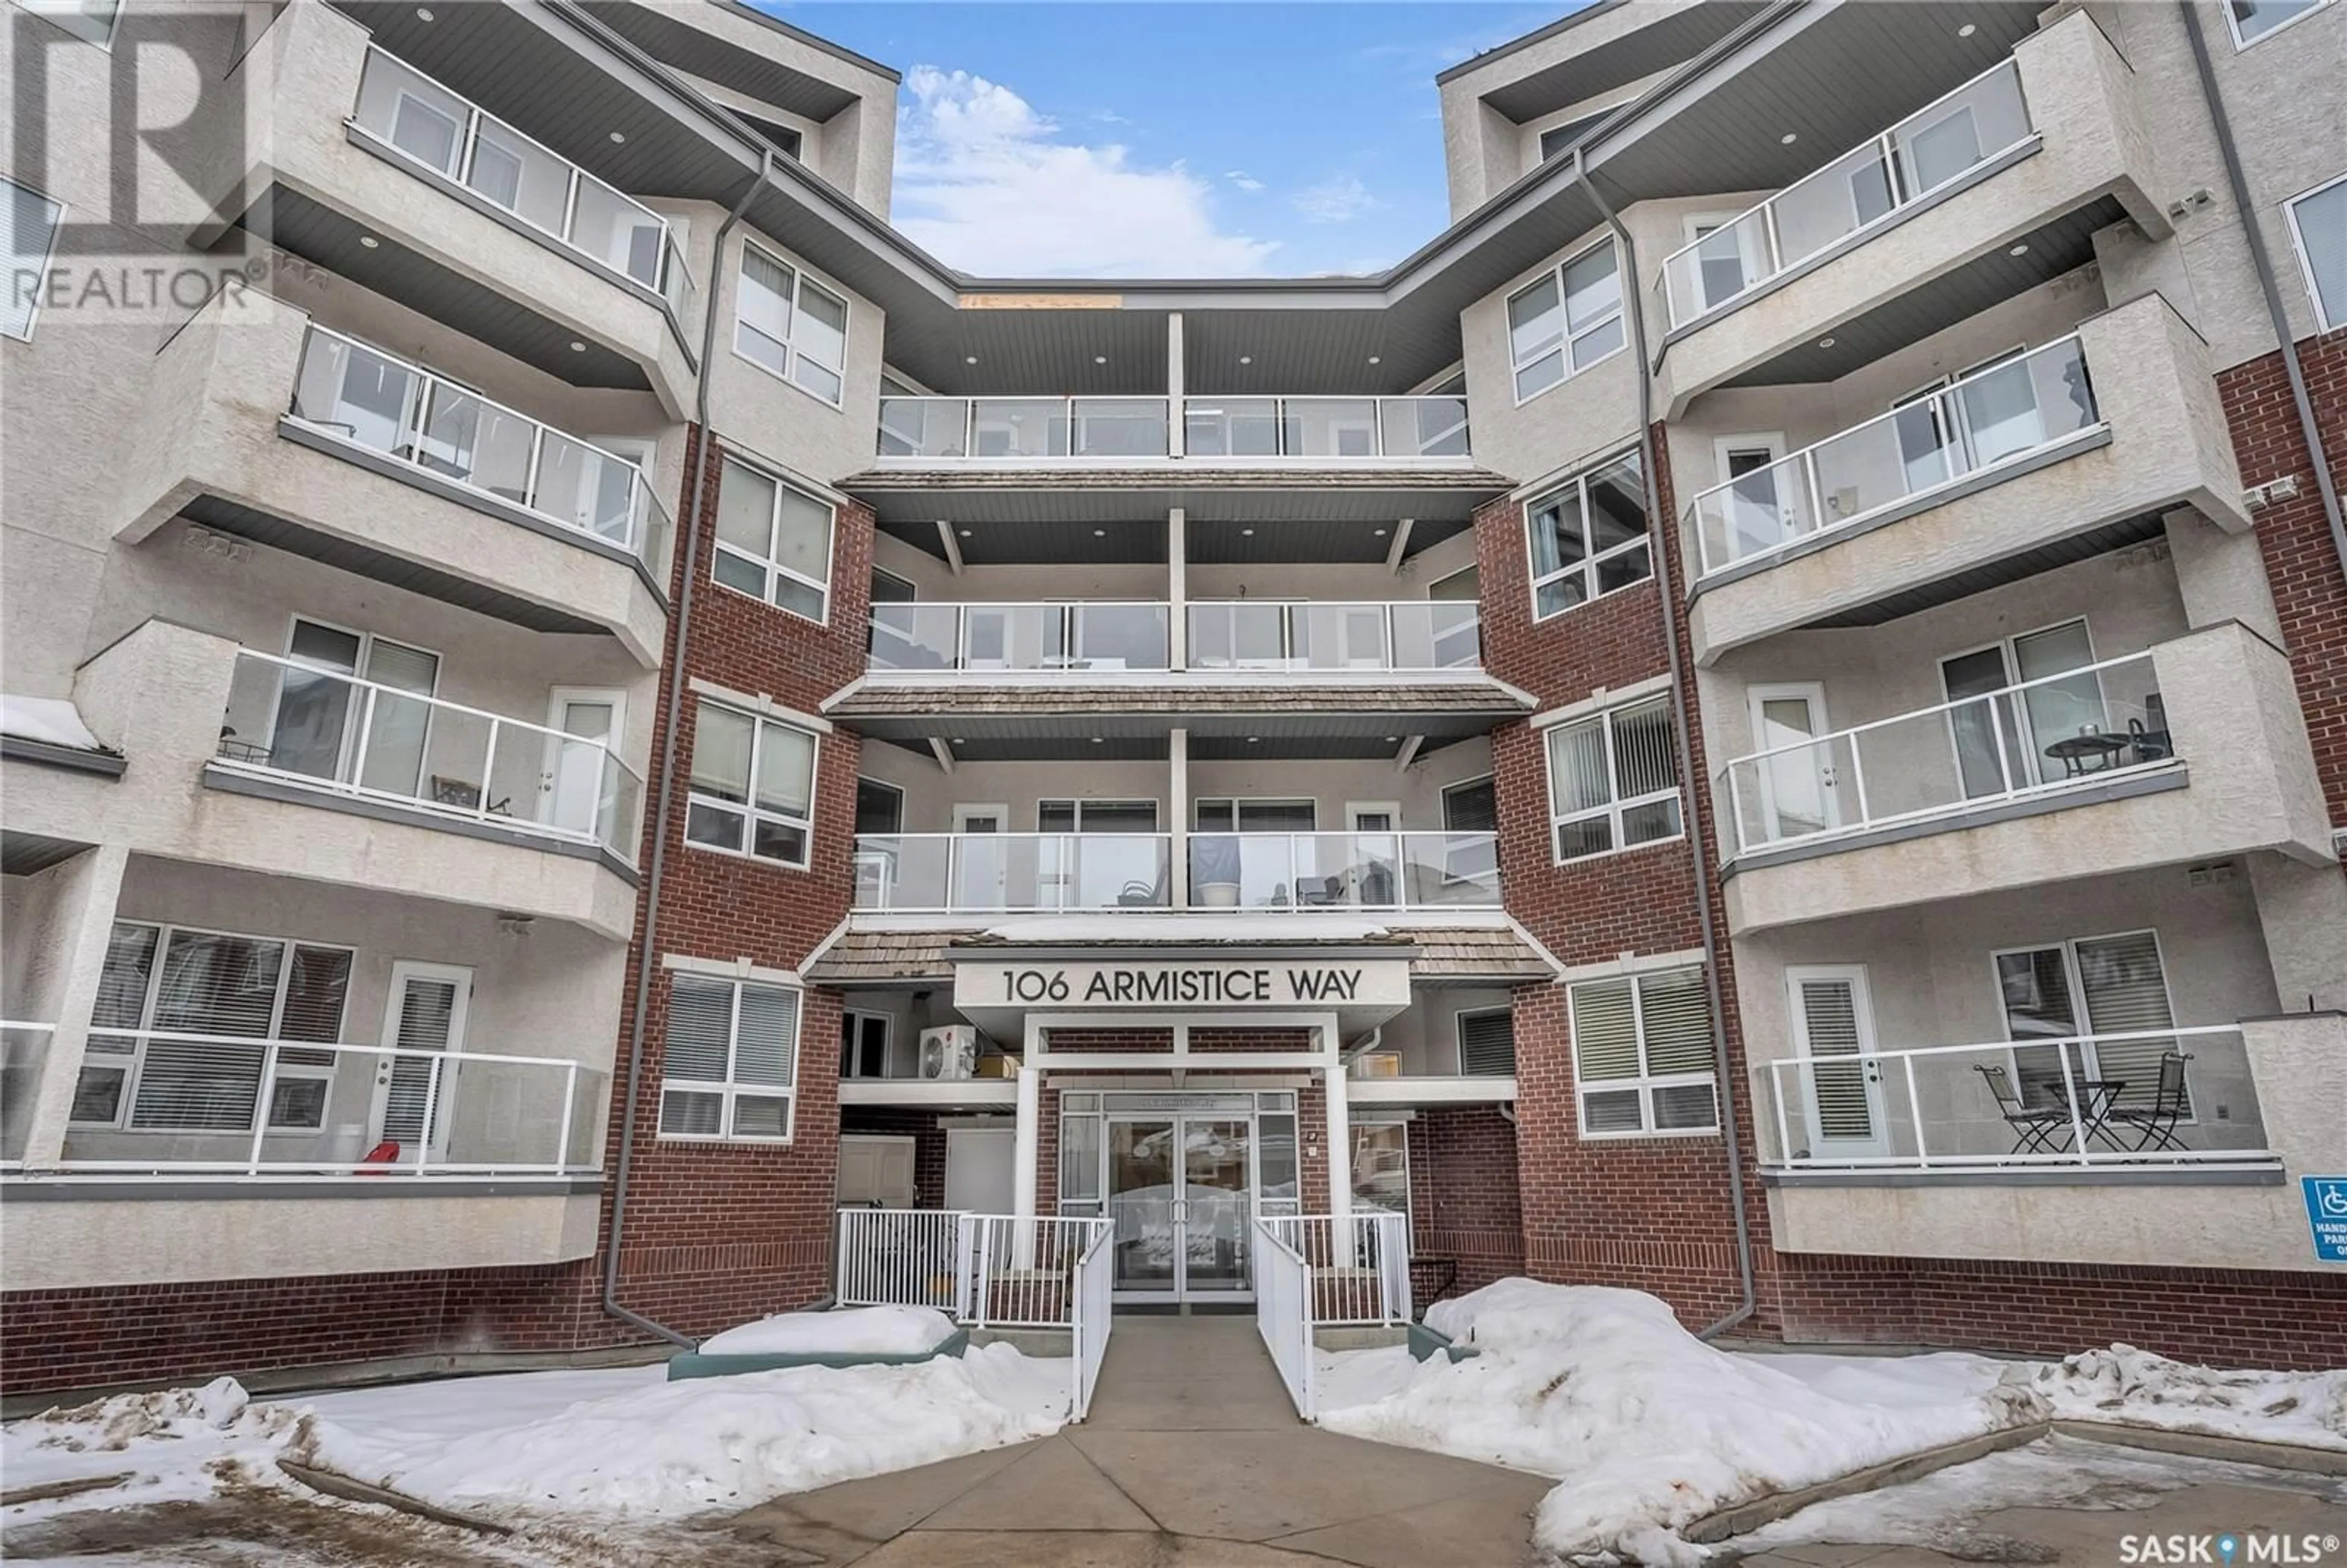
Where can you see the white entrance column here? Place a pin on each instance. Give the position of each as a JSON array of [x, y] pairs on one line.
[[1177, 587], [62, 987], [1027, 1145], [1340, 1150], [1177, 753]]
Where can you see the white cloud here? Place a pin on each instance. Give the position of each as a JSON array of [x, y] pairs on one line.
[[1243, 181], [992, 187], [1335, 200]]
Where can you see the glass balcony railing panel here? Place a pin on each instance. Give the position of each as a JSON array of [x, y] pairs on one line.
[[1117, 427], [329, 728], [357, 393], [1019, 427], [1423, 426], [589, 489], [1306, 871], [520, 176], [617, 231], [1238, 636], [401, 106], [945, 873], [1436, 634], [1450, 870], [1231, 426], [2068, 728], [1329, 427], [916, 636], [1991, 418], [1120, 635], [1339, 637], [461, 437], [1918, 156], [24, 1051], [925, 427]]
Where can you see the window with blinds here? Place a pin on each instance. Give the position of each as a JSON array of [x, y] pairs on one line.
[[168, 982], [2094, 988], [753, 789], [1487, 1043], [1642, 1055], [1614, 781], [730, 1065], [2318, 221]]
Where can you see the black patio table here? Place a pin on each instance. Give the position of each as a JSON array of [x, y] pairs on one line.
[[2076, 752], [2094, 1101]]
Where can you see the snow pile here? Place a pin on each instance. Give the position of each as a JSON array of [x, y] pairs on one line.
[[52, 720], [715, 1443], [171, 1443], [1647, 1427], [2135, 1387], [879, 1330]]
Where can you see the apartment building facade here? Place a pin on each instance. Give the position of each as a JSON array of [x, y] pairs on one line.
[[1763, 719]]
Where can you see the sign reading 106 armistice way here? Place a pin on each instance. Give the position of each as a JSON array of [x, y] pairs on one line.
[[1298, 982]]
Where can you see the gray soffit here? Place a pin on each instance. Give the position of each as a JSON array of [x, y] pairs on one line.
[[656, 30], [1675, 35], [2055, 249], [2118, 536], [1213, 541], [22, 854], [330, 238], [1122, 737], [1101, 496], [297, 538]]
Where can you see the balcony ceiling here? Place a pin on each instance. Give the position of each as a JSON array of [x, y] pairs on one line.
[[1248, 540], [976, 494], [2055, 249], [675, 42], [329, 238], [2125, 533], [1677, 33]]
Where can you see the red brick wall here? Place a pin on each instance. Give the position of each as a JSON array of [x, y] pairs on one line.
[[1462, 1194], [2302, 562]]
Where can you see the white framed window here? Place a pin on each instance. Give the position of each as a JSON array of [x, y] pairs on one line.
[[2255, 20], [1642, 1055], [774, 541], [786, 322], [752, 790], [2089, 986], [31, 220], [1487, 1041], [729, 1061], [1565, 321], [180, 980], [1381, 1167], [2318, 227], [92, 21], [1588, 537], [1614, 781]]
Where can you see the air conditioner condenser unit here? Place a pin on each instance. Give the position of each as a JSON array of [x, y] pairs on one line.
[[951, 1053]]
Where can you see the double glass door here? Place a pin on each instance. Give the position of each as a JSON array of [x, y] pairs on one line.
[[1180, 1192]]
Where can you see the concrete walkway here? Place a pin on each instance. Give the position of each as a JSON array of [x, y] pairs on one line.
[[1193, 1457]]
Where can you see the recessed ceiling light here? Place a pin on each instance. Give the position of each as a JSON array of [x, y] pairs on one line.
[[423, 13], [369, 240], [1789, 137], [1246, 533], [965, 533], [1825, 342], [1246, 359], [970, 359], [1379, 532], [1099, 359], [577, 347], [1100, 533], [2020, 250], [618, 138], [1255, 740], [1100, 740], [1391, 739], [957, 740], [1377, 359], [1967, 30]]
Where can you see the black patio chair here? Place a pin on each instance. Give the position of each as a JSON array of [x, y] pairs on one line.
[[2156, 1123], [2035, 1127]]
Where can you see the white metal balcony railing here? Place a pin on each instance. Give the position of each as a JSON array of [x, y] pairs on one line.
[[169, 1101], [979, 873], [2100, 1101], [1314, 1272], [402, 411], [2073, 729], [993, 638], [1407, 635], [1994, 418], [327, 730], [1864, 188], [1214, 429], [401, 108]]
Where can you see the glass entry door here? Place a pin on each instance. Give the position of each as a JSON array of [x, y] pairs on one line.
[[1180, 1192]]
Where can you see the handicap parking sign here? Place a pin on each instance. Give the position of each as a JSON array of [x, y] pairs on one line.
[[2326, 1216]]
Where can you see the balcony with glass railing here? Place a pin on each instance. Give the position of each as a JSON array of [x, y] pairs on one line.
[[931, 638], [432, 426], [1000, 872], [1214, 431], [1325, 635], [1998, 420], [2074, 731], [1866, 189], [1088, 640], [447, 137], [316, 728], [1342, 871]]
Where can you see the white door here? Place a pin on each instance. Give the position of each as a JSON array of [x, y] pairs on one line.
[[979, 1168], [1799, 788], [1374, 868], [425, 1014], [876, 1170], [1833, 1017], [979, 856], [1762, 499], [578, 785]]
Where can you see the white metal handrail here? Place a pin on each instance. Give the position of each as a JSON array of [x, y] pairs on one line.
[[449, 430], [929, 637], [1295, 634], [639, 244], [23, 1048], [385, 743], [1360, 1265], [1009, 430], [1095, 1316], [1320, 428], [1972, 426], [1283, 1314], [1973, 752], [2076, 1059], [1022, 1272], [1826, 207], [243, 1074], [941, 873], [1308, 871], [899, 1257]]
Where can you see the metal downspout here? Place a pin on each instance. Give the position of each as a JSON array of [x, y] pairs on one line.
[[2262, 260], [1633, 296], [646, 960]]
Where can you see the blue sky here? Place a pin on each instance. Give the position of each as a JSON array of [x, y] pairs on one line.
[[1183, 140]]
